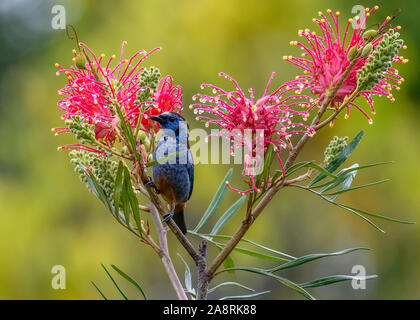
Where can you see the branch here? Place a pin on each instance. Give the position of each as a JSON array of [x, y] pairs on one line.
[[171, 224], [202, 284], [164, 254]]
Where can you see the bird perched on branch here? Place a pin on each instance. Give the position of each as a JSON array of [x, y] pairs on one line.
[[174, 176]]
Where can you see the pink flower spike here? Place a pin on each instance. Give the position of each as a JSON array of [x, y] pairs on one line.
[[326, 59], [95, 99], [268, 119]]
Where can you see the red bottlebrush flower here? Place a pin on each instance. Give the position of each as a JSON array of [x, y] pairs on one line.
[[327, 60], [166, 98], [93, 91], [268, 119]]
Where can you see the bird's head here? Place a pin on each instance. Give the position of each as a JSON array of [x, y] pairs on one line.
[[170, 120]]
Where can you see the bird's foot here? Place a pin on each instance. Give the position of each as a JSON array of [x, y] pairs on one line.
[[167, 217], [151, 184]]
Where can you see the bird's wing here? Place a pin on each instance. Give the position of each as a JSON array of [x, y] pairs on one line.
[[190, 169]]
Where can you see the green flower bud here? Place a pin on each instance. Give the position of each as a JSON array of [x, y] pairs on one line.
[[369, 34], [367, 50], [352, 53], [141, 135], [146, 143], [80, 61]]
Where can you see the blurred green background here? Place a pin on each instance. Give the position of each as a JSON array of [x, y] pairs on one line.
[[48, 218]]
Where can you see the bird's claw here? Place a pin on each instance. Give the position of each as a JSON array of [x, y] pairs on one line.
[[151, 184], [167, 217]]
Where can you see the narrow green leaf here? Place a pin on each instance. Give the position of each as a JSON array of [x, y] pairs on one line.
[[345, 171], [228, 263], [360, 211], [228, 215], [296, 167], [134, 203], [311, 164], [333, 279], [129, 279], [247, 296], [97, 189], [188, 280], [344, 182], [353, 211], [229, 283], [339, 158], [282, 280], [216, 202], [125, 204], [259, 255], [128, 133], [357, 187], [118, 189], [341, 206], [114, 282], [268, 160], [99, 290], [210, 237], [246, 251], [312, 257]]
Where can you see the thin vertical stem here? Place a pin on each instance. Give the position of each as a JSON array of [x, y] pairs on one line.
[[164, 254]]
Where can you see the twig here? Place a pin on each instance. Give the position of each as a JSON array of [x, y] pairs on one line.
[[164, 254], [171, 224], [202, 284]]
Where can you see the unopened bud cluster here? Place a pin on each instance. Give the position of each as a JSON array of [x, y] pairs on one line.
[[335, 146], [83, 131], [102, 167], [149, 78], [380, 60]]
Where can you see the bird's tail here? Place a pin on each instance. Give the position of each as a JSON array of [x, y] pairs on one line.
[[179, 218]]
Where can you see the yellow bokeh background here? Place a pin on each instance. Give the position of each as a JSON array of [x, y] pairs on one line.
[[48, 218]]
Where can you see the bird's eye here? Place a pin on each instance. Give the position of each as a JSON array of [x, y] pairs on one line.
[[171, 119]]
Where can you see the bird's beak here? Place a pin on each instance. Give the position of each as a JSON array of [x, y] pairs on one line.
[[158, 119]]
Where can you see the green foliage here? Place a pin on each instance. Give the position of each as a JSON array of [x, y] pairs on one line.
[[246, 296], [311, 257], [268, 160], [130, 279], [378, 62], [342, 181], [229, 283], [117, 286], [115, 283], [228, 215], [188, 279], [332, 279], [300, 261], [82, 130]]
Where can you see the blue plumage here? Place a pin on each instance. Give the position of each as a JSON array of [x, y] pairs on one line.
[[174, 178]]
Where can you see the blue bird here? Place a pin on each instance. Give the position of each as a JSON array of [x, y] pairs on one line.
[[174, 178]]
